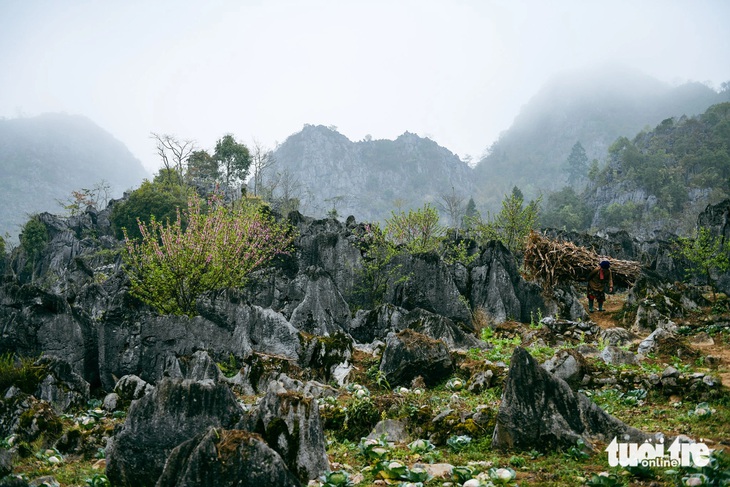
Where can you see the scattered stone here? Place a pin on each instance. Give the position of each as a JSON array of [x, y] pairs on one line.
[[394, 431], [409, 354], [131, 388], [616, 336], [6, 463], [613, 355], [225, 458], [480, 382], [111, 402], [568, 365], [540, 411], [702, 339]]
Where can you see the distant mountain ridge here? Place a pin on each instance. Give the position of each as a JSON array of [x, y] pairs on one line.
[[44, 158], [593, 108], [369, 178]]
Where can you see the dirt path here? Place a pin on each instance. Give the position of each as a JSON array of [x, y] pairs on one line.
[[605, 319], [615, 302]]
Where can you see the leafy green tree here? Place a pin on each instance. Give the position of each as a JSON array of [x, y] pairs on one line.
[[565, 209], [202, 167], [378, 268], [471, 215], [159, 199], [418, 230], [577, 164], [174, 263], [707, 254], [233, 159], [33, 239], [513, 223]]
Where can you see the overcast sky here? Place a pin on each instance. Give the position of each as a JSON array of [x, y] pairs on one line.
[[455, 71]]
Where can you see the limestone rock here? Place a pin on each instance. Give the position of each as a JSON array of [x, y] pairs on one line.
[[409, 354], [158, 422], [540, 411], [289, 422], [225, 458], [131, 387], [61, 387]]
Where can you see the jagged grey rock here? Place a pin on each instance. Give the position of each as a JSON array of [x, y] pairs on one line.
[[650, 343], [35, 322], [289, 421], [498, 287], [369, 325], [568, 365], [130, 388], [616, 336], [441, 328], [616, 356], [158, 422], [540, 411], [225, 458], [409, 354], [198, 366], [429, 286], [61, 387], [394, 431], [146, 345], [323, 310]]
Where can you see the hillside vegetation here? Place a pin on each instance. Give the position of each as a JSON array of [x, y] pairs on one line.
[[657, 181], [591, 108]]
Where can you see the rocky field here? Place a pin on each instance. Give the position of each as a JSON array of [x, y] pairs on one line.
[[461, 372]]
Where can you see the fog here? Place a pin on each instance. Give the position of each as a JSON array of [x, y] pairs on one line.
[[455, 71]]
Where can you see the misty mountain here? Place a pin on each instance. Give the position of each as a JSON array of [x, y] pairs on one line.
[[593, 108], [369, 178], [44, 158]]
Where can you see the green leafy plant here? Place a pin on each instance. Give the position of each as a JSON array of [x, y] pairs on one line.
[[502, 476], [458, 442], [421, 446], [174, 264], [604, 479], [706, 254], [577, 452], [338, 478], [462, 473], [419, 231], [98, 480]]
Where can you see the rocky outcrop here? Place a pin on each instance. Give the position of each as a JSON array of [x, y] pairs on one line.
[[147, 345], [61, 386], [323, 310], [428, 285], [35, 322], [375, 324], [289, 421], [409, 354], [498, 288], [540, 411], [158, 422], [225, 458]]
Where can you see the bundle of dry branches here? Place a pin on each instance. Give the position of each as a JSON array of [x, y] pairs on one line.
[[553, 261]]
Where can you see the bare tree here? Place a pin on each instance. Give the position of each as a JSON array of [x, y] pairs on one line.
[[173, 151], [453, 205], [283, 191], [261, 159]]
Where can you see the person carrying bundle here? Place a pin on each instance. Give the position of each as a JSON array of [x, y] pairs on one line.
[[597, 280]]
